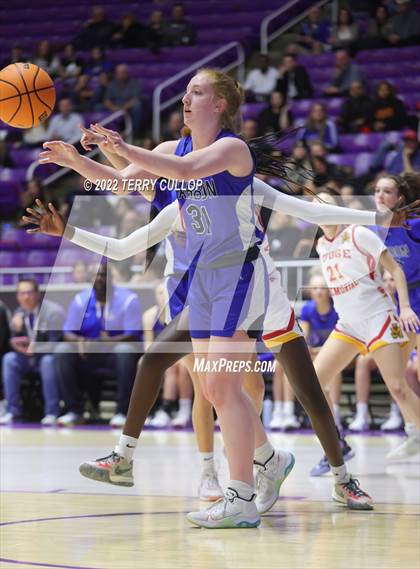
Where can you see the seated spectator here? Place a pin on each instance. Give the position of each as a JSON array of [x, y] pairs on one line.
[[71, 64], [357, 111], [173, 126], [129, 33], [97, 63], [276, 117], [262, 80], [379, 30], [83, 96], [345, 74], [45, 58], [179, 30], [16, 56], [65, 125], [405, 24], [389, 112], [345, 33], [109, 315], [315, 32], [97, 31], [282, 235], [323, 170], [294, 81], [319, 127], [249, 129], [99, 93], [299, 168], [35, 136], [406, 158], [30, 324], [34, 190], [124, 94], [80, 272], [6, 160], [156, 31]]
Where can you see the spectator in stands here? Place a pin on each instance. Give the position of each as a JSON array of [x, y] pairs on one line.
[[34, 190], [262, 80], [356, 113], [345, 33], [156, 31], [405, 24], [35, 136], [83, 95], [16, 56], [71, 64], [80, 272], [4, 333], [323, 169], [379, 30], [45, 58], [294, 81], [405, 159], [6, 160], [249, 129], [179, 30], [97, 63], [319, 127], [30, 324], [65, 125], [300, 165], [173, 126], [109, 315], [283, 236], [100, 92], [276, 117], [345, 74], [315, 32], [97, 31], [124, 94], [148, 143], [129, 33], [389, 112]]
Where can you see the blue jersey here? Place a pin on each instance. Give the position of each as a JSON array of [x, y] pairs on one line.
[[321, 324], [217, 227], [404, 246]]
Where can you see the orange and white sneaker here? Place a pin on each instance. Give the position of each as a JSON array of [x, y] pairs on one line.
[[209, 489], [113, 469], [351, 495]]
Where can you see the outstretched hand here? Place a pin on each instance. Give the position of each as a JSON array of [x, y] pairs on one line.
[[58, 152], [398, 216], [90, 138], [49, 221], [113, 138]]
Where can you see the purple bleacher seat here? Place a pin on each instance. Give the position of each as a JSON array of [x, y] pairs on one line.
[[12, 259], [40, 258], [252, 110], [12, 174], [22, 157]]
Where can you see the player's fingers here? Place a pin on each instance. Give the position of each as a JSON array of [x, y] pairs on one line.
[[34, 213], [30, 220], [37, 230], [41, 206], [52, 209], [104, 130]]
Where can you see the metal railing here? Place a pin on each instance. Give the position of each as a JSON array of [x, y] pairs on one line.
[[266, 38], [128, 130], [159, 106]]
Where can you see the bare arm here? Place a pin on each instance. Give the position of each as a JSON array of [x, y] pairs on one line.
[[408, 317]]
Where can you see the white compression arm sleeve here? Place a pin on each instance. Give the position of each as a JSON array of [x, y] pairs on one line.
[[139, 240], [320, 214]]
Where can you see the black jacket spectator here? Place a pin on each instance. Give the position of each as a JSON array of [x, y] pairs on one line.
[[357, 111], [71, 64], [179, 30], [389, 112], [294, 82], [405, 24], [16, 56], [156, 32], [97, 31], [130, 33], [276, 117]]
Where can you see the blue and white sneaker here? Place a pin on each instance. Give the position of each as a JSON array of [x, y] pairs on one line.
[[230, 512]]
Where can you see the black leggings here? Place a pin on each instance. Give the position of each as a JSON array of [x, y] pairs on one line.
[[294, 357]]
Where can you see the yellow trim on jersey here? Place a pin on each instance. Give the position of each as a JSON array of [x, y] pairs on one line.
[[282, 339], [344, 338], [381, 343]]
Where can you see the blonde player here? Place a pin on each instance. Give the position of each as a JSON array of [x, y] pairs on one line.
[[368, 322]]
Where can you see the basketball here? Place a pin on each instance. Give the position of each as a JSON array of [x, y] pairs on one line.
[[27, 95]]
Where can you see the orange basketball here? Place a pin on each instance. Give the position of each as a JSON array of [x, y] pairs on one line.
[[27, 95]]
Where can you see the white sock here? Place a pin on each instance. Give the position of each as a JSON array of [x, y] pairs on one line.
[[243, 489], [337, 414], [362, 409], [394, 409], [264, 452], [278, 408], [289, 408], [126, 447], [340, 474], [207, 461], [185, 405]]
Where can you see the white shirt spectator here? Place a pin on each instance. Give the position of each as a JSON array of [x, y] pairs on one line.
[[66, 128], [262, 83]]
